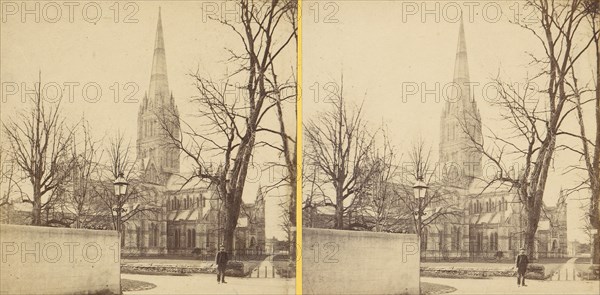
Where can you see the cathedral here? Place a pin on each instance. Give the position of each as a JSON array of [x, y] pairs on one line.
[[189, 219], [489, 220]]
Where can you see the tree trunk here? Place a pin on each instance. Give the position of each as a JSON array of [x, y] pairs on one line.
[[36, 218], [533, 211], [339, 213], [595, 223]]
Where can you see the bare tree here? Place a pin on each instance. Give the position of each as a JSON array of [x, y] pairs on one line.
[[535, 117], [79, 196], [339, 145], [140, 198], [228, 134], [381, 210], [436, 204], [40, 141], [590, 141], [10, 180]]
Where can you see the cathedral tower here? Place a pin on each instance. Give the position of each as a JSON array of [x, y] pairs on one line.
[[158, 112], [460, 124]]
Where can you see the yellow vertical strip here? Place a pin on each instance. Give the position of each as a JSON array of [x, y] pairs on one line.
[[299, 157]]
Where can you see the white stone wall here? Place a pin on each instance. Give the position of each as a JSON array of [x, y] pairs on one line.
[[45, 260], [353, 262]]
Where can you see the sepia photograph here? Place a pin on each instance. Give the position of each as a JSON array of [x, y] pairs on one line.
[[450, 147], [148, 147], [300, 147]]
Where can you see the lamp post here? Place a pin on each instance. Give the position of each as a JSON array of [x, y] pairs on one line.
[[120, 184], [420, 191]]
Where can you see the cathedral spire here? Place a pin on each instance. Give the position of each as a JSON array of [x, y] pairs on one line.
[[158, 93], [461, 99], [461, 64], [461, 115]]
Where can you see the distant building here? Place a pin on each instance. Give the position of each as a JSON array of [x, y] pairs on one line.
[[485, 221], [491, 221], [190, 217]]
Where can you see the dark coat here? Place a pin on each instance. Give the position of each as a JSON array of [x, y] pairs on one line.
[[522, 262], [221, 258]]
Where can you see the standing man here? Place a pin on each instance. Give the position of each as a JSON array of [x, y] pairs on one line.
[[521, 262], [221, 262]]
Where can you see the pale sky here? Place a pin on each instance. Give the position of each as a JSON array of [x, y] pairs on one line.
[[381, 47], [108, 55]]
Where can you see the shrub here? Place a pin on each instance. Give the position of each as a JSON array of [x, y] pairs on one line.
[[235, 269]]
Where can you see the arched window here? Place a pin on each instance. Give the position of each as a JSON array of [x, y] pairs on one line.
[[442, 236], [151, 236], [194, 238], [139, 237], [479, 242], [156, 235], [494, 241], [189, 237], [458, 239]]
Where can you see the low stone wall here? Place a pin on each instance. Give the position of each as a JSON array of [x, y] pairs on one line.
[[534, 271], [353, 262], [234, 268], [45, 260]]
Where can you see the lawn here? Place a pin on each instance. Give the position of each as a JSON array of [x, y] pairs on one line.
[[433, 289], [133, 285]]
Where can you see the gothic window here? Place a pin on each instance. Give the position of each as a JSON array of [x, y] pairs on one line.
[[494, 241], [156, 235], [453, 236], [194, 238], [151, 236], [177, 238], [189, 238], [458, 238], [139, 237], [441, 240]]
